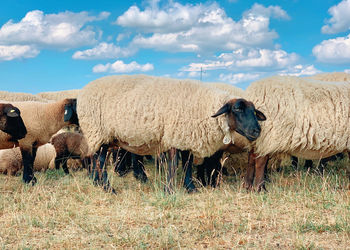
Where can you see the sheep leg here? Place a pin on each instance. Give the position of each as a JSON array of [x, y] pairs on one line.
[[101, 176], [28, 161], [137, 165], [64, 165], [58, 162], [260, 166], [250, 172], [172, 165], [215, 168], [187, 163], [295, 162], [201, 174], [121, 164]]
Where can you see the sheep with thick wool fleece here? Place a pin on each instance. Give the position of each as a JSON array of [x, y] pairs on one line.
[[148, 115], [11, 159], [59, 95], [42, 120], [20, 97], [331, 77], [304, 118]]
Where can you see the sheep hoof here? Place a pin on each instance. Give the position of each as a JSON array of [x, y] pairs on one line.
[[192, 190], [32, 180], [141, 177]]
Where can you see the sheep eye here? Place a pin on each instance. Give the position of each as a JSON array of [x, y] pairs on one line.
[[237, 110]]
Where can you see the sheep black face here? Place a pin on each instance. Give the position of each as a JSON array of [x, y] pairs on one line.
[[70, 112], [242, 117], [11, 122]]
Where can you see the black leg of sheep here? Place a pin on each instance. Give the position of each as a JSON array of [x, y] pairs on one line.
[[137, 165], [187, 163], [100, 170], [28, 162]]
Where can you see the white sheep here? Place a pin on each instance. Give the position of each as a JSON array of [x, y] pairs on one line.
[[149, 115], [331, 77], [42, 120], [12, 127], [59, 95], [19, 97], [305, 118]]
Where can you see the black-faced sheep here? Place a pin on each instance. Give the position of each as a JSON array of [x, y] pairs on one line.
[[305, 118], [149, 115], [42, 120]]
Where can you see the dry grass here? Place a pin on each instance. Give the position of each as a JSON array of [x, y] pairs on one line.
[[301, 210]]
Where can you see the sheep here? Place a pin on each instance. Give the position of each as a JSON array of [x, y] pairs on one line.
[[12, 127], [18, 97], [305, 118], [331, 77], [11, 159], [69, 145], [42, 120], [149, 115], [59, 95]]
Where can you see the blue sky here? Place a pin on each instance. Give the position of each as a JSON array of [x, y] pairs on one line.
[[50, 45]]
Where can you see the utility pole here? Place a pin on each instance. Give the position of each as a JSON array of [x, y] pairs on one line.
[[201, 73]]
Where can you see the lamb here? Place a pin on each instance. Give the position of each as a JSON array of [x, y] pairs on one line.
[[69, 145], [305, 118], [42, 120], [11, 159], [59, 95], [19, 97], [12, 127], [149, 115]]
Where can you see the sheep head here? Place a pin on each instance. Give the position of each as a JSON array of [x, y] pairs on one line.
[[242, 117], [70, 111], [11, 122]]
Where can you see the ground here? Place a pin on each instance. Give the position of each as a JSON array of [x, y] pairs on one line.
[[301, 210]]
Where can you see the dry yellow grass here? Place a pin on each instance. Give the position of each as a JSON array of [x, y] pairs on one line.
[[301, 210]]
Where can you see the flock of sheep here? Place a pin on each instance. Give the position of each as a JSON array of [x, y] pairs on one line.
[[145, 115]]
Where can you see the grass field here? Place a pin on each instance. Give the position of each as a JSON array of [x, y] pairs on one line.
[[301, 210]]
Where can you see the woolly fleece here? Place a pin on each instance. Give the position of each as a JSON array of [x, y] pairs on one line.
[[11, 159], [148, 115], [59, 95], [304, 118]]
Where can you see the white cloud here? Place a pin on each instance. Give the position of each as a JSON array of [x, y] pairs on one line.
[[121, 67], [239, 77], [200, 27], [261, 59], [340, 20], [300, 70], [103, 51], [8, 53], [64, 30], [333, 50], [347, 71]]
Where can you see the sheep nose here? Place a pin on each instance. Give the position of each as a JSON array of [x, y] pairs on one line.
[[256, 132]]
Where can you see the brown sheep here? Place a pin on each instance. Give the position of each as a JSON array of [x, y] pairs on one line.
[[69, 145]]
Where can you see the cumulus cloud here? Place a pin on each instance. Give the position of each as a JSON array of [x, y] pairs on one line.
[[120, 67], [200, 27], [239, 77], [103, 51], [340, 20], [257, 59], [347, 71], [8, 53], [64, 30], [333, 50], [300, 70]]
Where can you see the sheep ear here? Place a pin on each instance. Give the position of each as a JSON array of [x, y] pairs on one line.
[[12, 113], [260, 115], [224, 109]]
